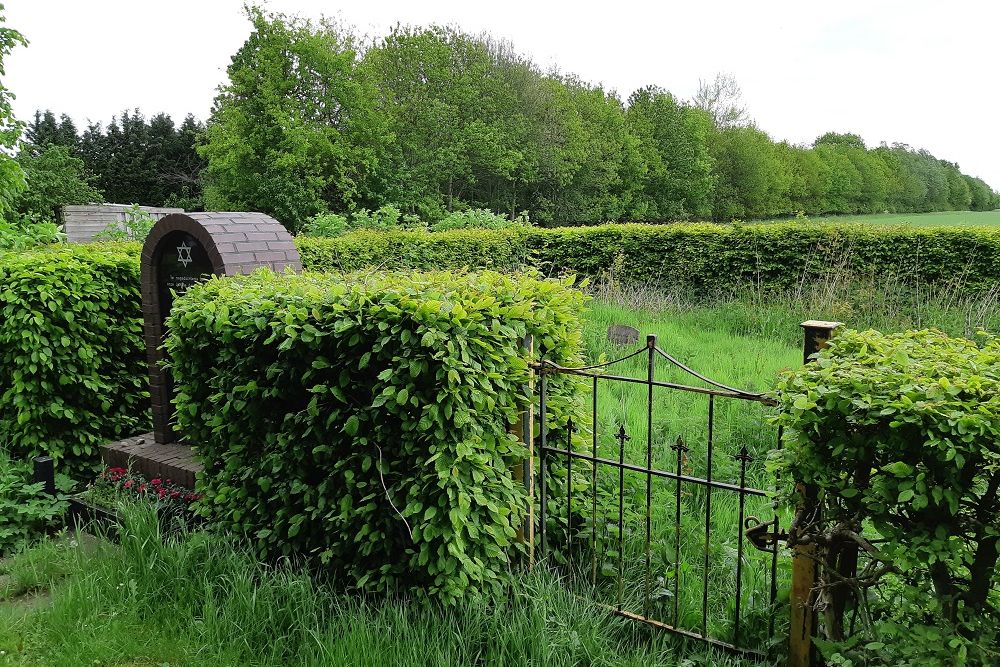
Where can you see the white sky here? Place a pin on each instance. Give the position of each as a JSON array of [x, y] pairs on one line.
[[919, 72]]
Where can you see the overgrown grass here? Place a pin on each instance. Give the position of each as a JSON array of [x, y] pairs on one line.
[[199, 599], [743, 340]]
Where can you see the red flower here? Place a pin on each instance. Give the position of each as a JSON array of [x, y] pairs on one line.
[[156, 482], [128, 484], [175, 494], [142, 488]]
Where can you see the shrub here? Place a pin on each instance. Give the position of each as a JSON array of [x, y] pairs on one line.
[[703, 256], [478, 218], [25, 511], [135, 226], [29, 233], [482, 249], [325, 224], [385, 218], [365, 421], [72, 359], [900, 437]]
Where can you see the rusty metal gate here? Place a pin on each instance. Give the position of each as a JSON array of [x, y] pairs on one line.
[[667, 522]]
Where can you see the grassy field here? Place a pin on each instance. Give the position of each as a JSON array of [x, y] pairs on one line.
[[687, 570], [943, 218]]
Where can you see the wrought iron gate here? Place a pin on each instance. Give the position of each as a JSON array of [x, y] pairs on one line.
[[658, 524]]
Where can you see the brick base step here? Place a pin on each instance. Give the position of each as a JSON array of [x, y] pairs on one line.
[[144, 455]]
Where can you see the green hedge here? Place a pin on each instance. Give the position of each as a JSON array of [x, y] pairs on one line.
[[899, 433], [72, 360], [364, 421], [501, 250], [701, 256]]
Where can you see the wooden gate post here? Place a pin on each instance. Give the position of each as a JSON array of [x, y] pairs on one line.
[[801, 652], [524, 472]]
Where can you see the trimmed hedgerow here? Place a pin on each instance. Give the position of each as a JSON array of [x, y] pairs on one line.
[[364, 420], [701, 256], [898, 436], [71, 351], [501, 250]]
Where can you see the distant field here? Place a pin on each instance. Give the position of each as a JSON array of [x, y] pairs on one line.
[[945, 218]]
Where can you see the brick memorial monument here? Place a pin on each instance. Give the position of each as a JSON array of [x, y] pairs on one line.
[[181, 250]]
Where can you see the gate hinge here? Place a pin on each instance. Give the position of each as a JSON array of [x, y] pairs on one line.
[[763, 534]]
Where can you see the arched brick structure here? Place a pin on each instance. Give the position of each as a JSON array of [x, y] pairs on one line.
[[183, 249]]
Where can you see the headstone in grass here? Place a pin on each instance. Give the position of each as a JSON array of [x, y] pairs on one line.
[[622, 334]]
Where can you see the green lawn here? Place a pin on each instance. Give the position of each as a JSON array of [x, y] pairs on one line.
[[943, 218]]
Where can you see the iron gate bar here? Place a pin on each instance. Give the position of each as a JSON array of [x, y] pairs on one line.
[[708, 515], [543, 468], [623, 437], [774, 550], [569, 489], [593, 487], [743, 457], [651, 345], [632, 467], [544, 368], [718, 643]]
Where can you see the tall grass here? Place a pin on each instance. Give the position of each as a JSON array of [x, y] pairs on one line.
[[200, 599], [744, 340]]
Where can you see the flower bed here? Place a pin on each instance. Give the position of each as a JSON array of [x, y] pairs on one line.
[[116, 484]]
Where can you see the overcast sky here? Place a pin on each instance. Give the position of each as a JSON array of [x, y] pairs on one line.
[[922, 73]]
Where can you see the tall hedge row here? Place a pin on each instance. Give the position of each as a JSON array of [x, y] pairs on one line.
[[72, 361], [364, 420], [698, 255], [500, 250]]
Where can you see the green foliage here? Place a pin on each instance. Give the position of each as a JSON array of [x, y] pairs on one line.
[[28, 234], [11, 174], [25, 510], [333, 224], [71, 351], [54, 178], [365, 421], [325, 225], [478, 218], [502, 250], [135, 226], [899, 436], [702, 256], [292, 132], [678, 176]]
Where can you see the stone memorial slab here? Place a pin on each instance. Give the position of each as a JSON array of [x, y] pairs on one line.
[[183, 249], [621, 334]]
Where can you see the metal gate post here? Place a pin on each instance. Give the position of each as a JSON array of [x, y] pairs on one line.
[[801, 652], [524, 472]]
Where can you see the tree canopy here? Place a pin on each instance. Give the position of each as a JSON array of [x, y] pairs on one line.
[[314, 120]]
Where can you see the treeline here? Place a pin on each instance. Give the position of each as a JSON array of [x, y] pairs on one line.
[[434, 120], [132, 160]]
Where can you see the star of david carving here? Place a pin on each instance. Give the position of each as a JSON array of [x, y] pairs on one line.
[[184, 254]]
